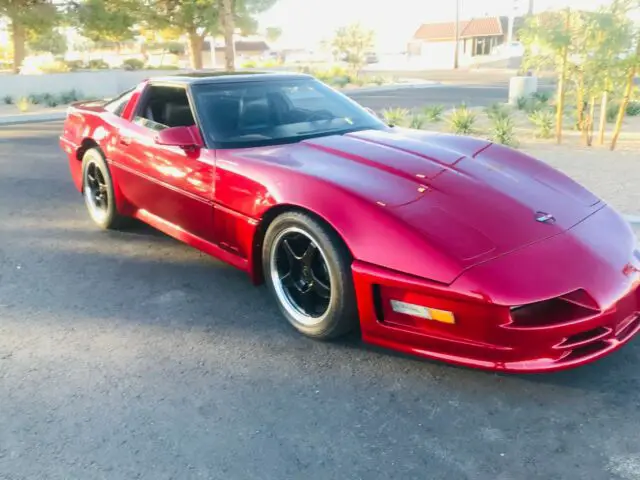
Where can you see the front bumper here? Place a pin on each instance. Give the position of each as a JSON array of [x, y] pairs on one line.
[[485, 334]]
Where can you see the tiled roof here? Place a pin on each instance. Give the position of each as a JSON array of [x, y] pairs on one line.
[[477, 27]]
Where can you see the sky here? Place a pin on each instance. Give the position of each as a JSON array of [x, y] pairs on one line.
[[306, 22]]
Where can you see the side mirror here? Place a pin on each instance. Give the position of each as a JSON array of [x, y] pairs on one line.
[[182, 137]]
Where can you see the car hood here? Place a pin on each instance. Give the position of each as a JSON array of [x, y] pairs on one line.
[[473, 199]]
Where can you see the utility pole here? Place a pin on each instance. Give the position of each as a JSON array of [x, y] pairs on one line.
[[512, 14], [456, 51]]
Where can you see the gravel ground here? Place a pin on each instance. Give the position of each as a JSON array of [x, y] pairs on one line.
[[130, 355]]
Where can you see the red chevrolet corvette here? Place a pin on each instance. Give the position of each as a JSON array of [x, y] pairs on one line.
[[447, 247]]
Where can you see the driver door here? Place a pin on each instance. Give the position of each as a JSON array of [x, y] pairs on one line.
[[171, 183]]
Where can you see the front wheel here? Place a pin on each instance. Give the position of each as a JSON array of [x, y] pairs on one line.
[[308, 269]]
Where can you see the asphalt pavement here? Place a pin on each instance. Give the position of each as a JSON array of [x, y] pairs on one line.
[[129, 355]]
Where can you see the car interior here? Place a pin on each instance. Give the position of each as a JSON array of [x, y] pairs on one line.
[[241, 113], [164, 107]]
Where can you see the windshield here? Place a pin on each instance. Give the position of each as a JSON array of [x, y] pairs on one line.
[[249, 114]]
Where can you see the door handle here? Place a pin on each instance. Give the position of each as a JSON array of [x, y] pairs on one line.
[[125, 141]]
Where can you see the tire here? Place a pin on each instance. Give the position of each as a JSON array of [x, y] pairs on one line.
[[304, 260], [98, 192]]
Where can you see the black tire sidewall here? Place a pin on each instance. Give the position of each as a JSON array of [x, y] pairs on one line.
[[341, 317], [94, 155]]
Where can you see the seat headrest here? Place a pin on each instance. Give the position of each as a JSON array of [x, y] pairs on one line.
[[178, 115]]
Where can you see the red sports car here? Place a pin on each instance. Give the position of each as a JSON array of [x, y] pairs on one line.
[[447, 247]]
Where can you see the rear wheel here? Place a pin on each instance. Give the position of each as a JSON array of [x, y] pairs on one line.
[[97, 190], [307, 267]]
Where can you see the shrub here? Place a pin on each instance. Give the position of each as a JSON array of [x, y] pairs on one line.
[[36, 98], [633, 109], [98, 64], [612, 112], [497, 111], [462, 121], [249, 64], [74, 65], [359, 81], [55, 67], [433, 113], [379, 80], [395, 116], [51, 100], [416, 121], [544, 121], [340, 82], [502, 131], [23, 104], [70, 97], [133, 64], [8, 99]]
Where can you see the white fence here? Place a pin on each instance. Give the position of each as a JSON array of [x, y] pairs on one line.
[[99, 84]]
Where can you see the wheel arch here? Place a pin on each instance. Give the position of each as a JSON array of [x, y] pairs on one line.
[[257, 273], [86, 144]]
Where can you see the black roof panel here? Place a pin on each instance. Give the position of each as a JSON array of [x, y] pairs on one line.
[[215, 76]]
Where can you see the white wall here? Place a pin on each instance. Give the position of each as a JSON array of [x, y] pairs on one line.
[[99, 84]]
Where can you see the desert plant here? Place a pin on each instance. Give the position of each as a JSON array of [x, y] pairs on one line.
[[395, 116], [8, 99], [133, 64], [496, 111], [521, 103], [416, 121], [633, 109], [502, 131], [542, 97], [544, 121], [462, 120], [433, 113], [23, 104]]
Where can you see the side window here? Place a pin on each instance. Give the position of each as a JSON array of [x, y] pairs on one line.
[[117, 105], [164, 106]]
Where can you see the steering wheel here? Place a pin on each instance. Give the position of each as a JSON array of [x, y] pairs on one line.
[[320, 115]]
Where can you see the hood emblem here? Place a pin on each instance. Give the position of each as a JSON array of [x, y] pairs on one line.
[[544, 217]]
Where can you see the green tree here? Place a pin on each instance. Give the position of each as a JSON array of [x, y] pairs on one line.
[[26, 16], [106, 20], [273, 34], [547, 41], [352, 43], [198, 18], [632, 64], [51, 41]]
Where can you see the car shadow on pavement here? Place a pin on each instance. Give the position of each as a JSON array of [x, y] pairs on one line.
[[151, 280]]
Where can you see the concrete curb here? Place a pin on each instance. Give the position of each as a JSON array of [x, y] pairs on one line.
[[388, 88], [32, 117]]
